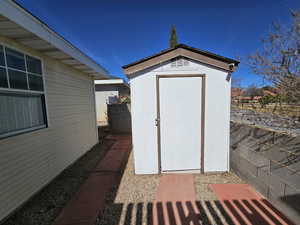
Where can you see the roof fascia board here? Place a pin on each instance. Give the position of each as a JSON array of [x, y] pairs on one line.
[[23, 18], [110, 81], [175, 53], [183, 46], [151, 62], [205, 59]]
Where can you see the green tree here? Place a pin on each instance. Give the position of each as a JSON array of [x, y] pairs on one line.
[[173, 38]]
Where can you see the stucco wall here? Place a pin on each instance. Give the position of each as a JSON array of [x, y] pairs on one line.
[[144, 110], [270, 161], [31, 160]]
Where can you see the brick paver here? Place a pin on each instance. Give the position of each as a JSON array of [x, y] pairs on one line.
[[235, 204], [175, 201], [245, 206], [85, 206]]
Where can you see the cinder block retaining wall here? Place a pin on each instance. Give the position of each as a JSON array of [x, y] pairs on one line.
[[269, 161], [119, 118]]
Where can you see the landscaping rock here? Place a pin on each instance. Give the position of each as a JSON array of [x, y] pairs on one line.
[[268, 120]]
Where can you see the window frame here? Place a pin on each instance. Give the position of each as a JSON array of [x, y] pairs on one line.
[[24, 92]]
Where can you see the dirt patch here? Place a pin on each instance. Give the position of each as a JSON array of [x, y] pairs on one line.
[[203, 192], [130, 200], [44, 207]]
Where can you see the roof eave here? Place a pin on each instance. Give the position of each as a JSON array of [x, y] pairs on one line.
[[222, 58], [218, 62]]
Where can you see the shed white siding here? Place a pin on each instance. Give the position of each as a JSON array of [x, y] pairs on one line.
[[144, 111], [29, 161]]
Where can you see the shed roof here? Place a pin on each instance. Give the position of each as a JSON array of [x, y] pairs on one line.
[[182, 50], [20, 25]]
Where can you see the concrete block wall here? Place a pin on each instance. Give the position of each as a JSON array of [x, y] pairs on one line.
[[269, 161], [119, 117]]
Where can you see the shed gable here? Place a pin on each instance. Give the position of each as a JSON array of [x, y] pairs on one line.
[[182, 51]]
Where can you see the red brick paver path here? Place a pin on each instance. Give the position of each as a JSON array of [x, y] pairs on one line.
[[175, 201], [246, 206], [84, 207], [176, 204]]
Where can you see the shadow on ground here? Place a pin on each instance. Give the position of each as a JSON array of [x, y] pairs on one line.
[[207, 212], [292, 202], [211, 213]]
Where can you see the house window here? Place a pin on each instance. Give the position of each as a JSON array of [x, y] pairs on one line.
[[22, 97]]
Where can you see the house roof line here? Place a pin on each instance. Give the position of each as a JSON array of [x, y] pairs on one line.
[[196, 50], [22, 17], [110, 81], [117, 81]]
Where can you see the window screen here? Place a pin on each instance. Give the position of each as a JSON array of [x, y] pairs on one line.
[[22, 104], [19, 112]]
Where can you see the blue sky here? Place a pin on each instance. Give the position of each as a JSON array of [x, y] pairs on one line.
[[115, 33]]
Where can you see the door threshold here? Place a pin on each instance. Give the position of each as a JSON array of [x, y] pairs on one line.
[[182, 171]]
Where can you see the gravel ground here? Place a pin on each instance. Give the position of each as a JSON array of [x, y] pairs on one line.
[[44, 207], [202, 181], [127, 204], [266, 120]]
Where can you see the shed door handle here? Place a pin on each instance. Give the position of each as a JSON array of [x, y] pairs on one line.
[[157, 121]]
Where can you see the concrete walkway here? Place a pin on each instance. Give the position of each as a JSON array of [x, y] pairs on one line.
[[89, 201]]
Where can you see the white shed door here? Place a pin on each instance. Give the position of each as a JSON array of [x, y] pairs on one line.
[[180, 123]]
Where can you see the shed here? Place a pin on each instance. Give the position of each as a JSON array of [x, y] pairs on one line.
[[180, 104], [47, 105]]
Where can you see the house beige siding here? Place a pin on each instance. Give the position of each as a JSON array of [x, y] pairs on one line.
[[29, 161]]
